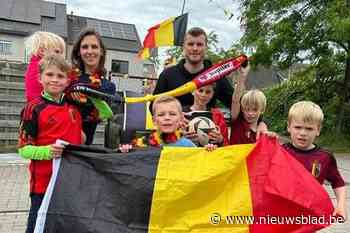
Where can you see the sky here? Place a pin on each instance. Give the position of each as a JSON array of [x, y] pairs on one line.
[[208, 14]]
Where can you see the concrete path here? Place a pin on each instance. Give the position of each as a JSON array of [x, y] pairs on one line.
[[14, 199]]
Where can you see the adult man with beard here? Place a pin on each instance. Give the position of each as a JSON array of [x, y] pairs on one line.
[[194, 49]]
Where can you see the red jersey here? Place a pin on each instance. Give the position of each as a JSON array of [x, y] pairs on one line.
[[241, 133], [42, 123], [319, 162]]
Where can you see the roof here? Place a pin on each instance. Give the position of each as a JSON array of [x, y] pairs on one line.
[[22, 11], [115, 35], [25, 17], [57, 21]]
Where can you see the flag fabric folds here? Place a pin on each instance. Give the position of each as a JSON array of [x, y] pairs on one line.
[[167, 33], [137, 117], [182, 190]]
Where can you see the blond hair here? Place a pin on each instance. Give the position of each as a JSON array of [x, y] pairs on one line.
[[166, 99], [54, 60], [44, 40], [307, 111], [254, 98]]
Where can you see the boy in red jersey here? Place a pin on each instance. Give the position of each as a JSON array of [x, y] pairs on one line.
[[246, 112], [304, 125], [43, 121]]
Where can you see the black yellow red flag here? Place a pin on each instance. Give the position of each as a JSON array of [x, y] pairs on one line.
[[189, 190], [167, 33]]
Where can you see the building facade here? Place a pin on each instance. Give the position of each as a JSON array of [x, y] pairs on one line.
[[19, 19]]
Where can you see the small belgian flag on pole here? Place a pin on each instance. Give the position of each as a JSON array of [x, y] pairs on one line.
[[167, 33]]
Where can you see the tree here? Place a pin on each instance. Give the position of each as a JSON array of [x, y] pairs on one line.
[[293, 31]]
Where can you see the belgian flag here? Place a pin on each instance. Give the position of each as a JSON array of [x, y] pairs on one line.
[[182, 190], [167, 33]]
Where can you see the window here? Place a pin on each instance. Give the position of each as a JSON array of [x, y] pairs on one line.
[[5, 47], [121, 67], [148, 70]]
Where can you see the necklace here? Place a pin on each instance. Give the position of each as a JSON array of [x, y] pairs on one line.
[[157, 138]]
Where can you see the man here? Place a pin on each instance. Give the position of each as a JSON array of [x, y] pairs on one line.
[[194, 49]]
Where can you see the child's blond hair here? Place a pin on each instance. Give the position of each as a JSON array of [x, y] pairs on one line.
[[254, 98], [307, 111], [54, 60], [165, 99], [44, 40]]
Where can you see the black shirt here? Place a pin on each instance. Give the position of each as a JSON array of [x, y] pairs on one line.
[[176, 76]]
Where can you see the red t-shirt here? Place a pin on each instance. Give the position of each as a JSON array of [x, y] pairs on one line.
[[241, 133], [319, 162], [42, 123]]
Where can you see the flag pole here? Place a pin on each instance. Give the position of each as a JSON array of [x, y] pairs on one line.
[[183, 7]]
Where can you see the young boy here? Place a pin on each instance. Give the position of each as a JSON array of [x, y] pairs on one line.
[[246, 111], [167, 117], [304, 125], [43, 121]]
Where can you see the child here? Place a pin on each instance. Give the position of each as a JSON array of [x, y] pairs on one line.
[[43, 121], [202, 107], [246, 112], [304, 125], [167, 117], [39, 45]]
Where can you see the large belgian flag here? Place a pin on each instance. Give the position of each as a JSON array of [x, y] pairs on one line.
[[167, 33], [182, 190]]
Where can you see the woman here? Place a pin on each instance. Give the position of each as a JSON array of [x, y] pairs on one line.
[[202, 105], [88, 60]]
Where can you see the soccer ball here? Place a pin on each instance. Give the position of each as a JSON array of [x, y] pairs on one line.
[[202, 126]]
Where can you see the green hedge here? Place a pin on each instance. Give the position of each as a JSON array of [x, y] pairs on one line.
[[305, 86]]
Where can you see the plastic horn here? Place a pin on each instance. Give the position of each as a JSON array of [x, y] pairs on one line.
[[92, 92], [207, 77]]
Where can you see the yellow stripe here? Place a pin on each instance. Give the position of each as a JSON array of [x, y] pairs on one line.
[[192, 184], [186, 88], [164, 36], [145, 53], [149, 120]]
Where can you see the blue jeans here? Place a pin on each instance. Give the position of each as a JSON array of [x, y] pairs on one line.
[[36, 200]]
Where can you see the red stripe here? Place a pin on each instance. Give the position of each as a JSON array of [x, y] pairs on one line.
[[29, 108], [149, 41], [280, 186]]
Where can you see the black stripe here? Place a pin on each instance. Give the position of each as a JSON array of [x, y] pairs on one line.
[[103, 192], [180, 26], [135, 118]]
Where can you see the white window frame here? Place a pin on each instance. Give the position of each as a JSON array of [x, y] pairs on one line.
[[5, 47]]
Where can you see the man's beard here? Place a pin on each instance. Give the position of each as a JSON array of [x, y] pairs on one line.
[[194, 62]]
